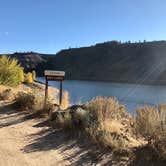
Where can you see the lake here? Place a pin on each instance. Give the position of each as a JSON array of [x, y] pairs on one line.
[[132, 95]]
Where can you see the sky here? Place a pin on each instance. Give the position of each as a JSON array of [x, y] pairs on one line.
[[47, 26]]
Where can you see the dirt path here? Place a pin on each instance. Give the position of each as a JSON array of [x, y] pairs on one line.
[[29, 141], [18, 133]]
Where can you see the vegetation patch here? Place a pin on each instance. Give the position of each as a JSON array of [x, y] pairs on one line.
[[7, 94], [11, 73], [32, 101], [104, 120], [151, 124]]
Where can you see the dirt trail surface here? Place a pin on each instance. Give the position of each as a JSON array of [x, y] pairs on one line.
[[22, 141], [29, 141]]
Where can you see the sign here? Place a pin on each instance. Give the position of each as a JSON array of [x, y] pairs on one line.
[[51, 75], [54, 73]]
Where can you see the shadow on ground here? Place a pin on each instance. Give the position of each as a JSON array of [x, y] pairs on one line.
[[81, 151], [11, 116], [146, 156], [76, 151]]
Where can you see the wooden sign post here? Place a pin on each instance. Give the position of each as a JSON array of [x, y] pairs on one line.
[[51, 75]]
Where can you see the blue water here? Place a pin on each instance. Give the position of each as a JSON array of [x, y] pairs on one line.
[[131, 95]]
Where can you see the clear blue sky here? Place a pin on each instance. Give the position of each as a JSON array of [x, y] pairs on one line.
[[51, 25]]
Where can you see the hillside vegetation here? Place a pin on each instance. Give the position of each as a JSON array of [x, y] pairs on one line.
[[113, 61], [143, 63]]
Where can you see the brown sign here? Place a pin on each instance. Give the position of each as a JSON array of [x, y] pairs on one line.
[[51, 75], [54, 78]]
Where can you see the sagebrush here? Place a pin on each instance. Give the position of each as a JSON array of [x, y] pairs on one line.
[[151, 124]]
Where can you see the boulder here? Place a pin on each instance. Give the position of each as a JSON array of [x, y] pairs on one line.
[[74, 115]]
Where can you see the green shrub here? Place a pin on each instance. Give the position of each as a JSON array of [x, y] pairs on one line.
[[34, 75], [29, 78], [10, 71], [21, 75]]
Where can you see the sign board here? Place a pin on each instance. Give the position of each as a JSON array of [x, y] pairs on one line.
[[54, 73]]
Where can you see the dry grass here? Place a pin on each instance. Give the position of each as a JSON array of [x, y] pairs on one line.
[[103, 108], [63, 121], [32, 101], [65, 100], [7, 94], [151, 124], [103, 119], [25, 100], [104, 122]]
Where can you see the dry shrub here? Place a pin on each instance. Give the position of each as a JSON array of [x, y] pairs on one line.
[[25, 100], [62, 120], [47, 107], [151, 124], [103, 108], [65, 100], [7, 94], [103, 113], [112, 140], [32, 101]]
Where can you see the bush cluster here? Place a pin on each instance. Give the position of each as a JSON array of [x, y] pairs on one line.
[[32, 101], [108, 124], [101, 113], [99, 119], [11, 73], [29, 78], [151, 124]]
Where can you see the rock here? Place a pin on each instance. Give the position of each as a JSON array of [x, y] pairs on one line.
[[79, 116], [75, 114]]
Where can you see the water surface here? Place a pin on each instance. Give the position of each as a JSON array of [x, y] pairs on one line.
[[132, 95]]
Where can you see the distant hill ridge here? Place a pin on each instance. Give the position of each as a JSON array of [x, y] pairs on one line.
[[30, 60], [142, 62]]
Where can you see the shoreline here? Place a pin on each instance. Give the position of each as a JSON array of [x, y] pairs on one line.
[[110, 81]]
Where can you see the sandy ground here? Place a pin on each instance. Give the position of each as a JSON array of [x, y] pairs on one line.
[[18, 135], [27, 140]]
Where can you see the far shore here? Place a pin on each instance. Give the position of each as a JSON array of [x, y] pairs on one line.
[[150, 83]]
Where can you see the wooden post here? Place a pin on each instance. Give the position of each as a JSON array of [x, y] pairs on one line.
[[60, 93], [46, 91]]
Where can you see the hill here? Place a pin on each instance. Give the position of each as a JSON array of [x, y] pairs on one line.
[[142, 63], [31, 60]]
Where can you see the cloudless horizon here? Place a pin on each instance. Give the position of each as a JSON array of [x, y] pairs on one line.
[[47, 26]]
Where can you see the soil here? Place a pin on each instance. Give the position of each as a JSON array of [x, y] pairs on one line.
[[19, 134], [27, 140]]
